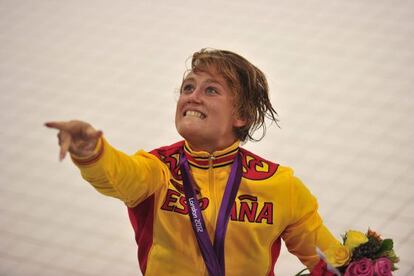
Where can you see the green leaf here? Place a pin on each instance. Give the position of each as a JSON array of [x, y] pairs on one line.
[[385, 248], [391, 255], [386, 245]]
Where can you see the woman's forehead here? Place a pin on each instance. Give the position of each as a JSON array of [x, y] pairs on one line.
[[211, 75]]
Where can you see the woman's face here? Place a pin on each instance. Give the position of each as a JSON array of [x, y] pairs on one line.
[[205, 114]]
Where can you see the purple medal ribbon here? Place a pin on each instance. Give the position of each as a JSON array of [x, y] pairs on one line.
[[213, 255]]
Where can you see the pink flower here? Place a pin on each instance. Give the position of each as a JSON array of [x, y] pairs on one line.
[[362, 267], [382, 267]]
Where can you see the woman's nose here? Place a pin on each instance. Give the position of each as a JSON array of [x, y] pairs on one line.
[[195, 96]]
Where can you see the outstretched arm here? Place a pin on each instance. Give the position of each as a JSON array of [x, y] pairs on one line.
[[131, 178]]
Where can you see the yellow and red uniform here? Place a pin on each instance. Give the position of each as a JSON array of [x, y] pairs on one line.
[[271, 204]]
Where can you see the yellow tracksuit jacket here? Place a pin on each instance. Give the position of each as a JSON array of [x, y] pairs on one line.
[[271, 204]]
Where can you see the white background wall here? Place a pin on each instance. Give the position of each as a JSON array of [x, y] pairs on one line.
[[341, 77]]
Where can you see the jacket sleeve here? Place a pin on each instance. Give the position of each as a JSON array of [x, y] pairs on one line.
[[306, 230], [130, 178]]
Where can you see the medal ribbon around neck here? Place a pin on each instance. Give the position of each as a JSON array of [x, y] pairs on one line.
[[213, 255]]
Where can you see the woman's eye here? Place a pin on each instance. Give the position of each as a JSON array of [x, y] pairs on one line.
[[211, 90], [187, 88]]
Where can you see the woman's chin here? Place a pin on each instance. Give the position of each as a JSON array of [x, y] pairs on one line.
[[192, 137], [189, 132]]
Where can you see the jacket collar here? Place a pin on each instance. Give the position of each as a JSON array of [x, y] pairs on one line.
[[203, 159]]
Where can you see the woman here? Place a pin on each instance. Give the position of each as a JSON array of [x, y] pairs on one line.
[[205, 205]]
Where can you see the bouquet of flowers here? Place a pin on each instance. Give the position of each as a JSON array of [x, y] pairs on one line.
[[364, 254]]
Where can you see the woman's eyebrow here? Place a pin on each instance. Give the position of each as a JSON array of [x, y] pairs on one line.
[[189, 79], [208, 81]]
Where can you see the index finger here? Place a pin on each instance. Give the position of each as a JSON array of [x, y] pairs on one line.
[[57, 125]]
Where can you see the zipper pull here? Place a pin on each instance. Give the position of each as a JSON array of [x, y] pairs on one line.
[[211, 160]]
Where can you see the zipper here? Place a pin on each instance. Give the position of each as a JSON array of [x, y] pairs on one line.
[[213, 200]]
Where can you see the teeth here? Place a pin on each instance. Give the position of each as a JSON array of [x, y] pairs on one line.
[[193, 113]]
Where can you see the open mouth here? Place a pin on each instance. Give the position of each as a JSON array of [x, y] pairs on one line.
[[193, 113]]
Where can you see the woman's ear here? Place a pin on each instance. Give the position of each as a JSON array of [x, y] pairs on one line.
[[238, 122]]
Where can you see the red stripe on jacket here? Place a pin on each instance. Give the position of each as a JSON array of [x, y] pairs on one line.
[[275, 254], [142, 220]]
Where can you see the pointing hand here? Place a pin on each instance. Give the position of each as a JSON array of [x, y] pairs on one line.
[[77, 137]]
